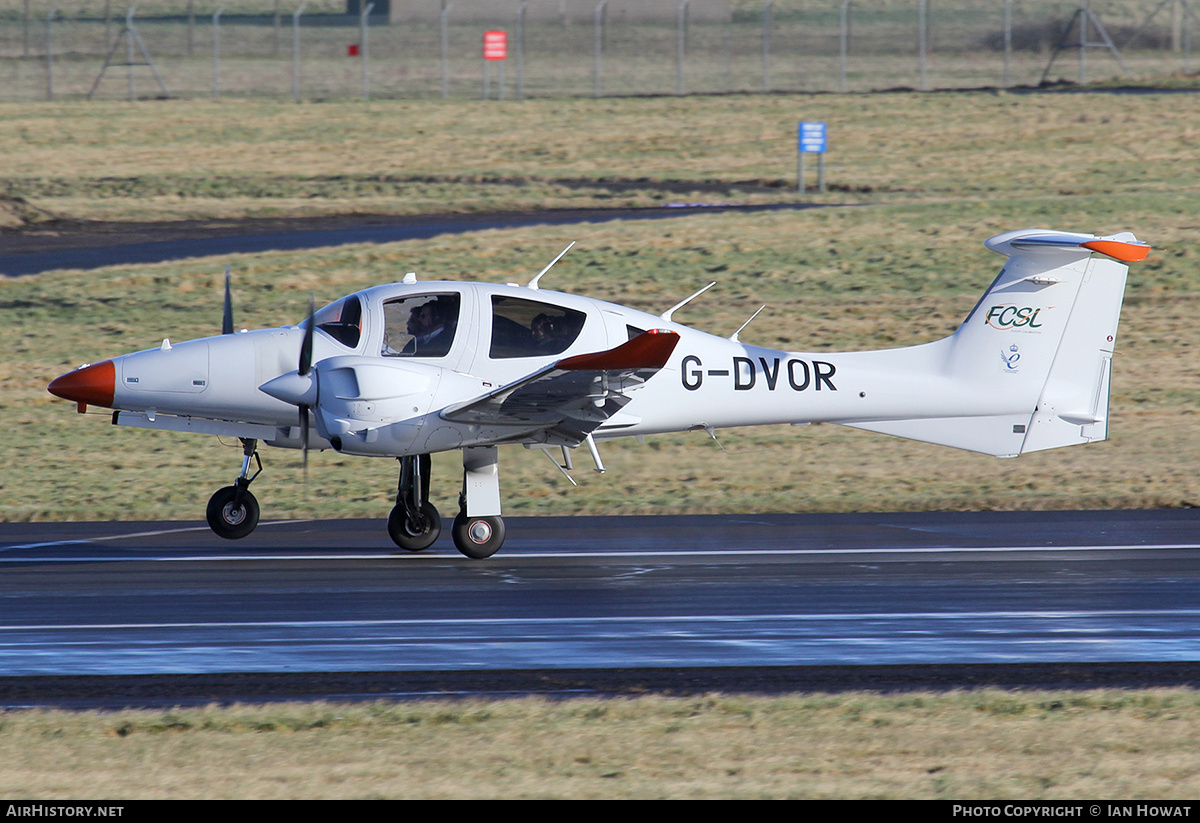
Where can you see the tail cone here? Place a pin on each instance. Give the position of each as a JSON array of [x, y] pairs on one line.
[[93, 385]]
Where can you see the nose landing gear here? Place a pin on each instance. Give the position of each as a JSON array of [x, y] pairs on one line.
[[233, 511], [414, 524]]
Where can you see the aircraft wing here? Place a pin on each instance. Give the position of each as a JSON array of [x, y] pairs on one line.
[[569, 399]]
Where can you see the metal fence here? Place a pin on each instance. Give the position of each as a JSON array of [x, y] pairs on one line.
[[288, 49]]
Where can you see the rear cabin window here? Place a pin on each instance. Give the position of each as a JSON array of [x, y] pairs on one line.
[[527, 328]]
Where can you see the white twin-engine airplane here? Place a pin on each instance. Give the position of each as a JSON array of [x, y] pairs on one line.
[[412, 368]]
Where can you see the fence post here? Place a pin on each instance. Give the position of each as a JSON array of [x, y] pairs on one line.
[[129, 50], [681, 46], [521, 50], [597, 45], [1007, 43], [843, 41], [922, 41], [216, 46], [766, 43], [365, 50], [296, 52], [1187, 36], [445, 52], [50, 55]]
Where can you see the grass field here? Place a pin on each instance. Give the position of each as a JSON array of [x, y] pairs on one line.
[[923, 179], [919, 182], [959, 746]]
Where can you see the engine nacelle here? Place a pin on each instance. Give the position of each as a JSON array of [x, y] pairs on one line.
[[371, 406]]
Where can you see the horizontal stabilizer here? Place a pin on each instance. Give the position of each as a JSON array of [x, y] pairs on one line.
[[1123, 246]]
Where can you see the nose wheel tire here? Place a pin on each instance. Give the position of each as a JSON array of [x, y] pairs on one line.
[[478, 537], [230, 517], [416, 530]]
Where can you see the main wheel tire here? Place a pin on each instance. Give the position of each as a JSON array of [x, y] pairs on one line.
[[478, 537], [416, 532], [229, 519]]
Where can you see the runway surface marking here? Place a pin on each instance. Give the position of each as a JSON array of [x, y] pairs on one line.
[[554, 555], [656, 618], [77, 541]]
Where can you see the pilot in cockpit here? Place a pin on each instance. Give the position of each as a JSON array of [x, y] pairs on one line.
[[432, 327]]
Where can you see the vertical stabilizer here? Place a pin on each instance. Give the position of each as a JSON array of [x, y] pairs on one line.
[[1036, 351]]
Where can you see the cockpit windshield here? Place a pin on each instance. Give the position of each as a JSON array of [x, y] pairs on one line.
[[342, 320]]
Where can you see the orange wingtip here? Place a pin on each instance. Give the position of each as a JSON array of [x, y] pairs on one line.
[[649, 350], [1125, 252]]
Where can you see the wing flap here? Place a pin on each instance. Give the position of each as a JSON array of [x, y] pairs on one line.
[[572, 397]]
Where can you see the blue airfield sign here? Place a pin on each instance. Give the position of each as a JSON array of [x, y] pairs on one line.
[[812, 140], [812, 137]]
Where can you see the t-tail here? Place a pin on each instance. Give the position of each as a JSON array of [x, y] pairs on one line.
[[1035, 354]]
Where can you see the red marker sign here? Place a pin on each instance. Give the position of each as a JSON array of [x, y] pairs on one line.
[[495, 45]]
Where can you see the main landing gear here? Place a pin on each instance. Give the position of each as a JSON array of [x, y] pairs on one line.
[[414, 523], [478, 530], [233, 511]]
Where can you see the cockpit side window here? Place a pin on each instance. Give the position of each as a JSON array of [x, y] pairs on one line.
[[527, 328], [420, 326], [342, 320]]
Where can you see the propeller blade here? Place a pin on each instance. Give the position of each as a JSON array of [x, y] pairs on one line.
[[306, 345], [304, 439], [227, 318], [306, 350]]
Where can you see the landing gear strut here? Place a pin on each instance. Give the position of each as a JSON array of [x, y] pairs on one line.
[[414, 523], [478, 530], [233, 511]]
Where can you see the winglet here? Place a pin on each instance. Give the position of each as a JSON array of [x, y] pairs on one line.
[[649, 350]]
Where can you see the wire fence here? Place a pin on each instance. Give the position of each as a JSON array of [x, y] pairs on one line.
[[72, 49]]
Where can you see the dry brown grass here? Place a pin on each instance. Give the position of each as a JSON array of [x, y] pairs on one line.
[[962, 746]]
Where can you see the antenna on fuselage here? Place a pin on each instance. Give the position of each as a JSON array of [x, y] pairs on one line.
[[734, 337], [667, 314], [533, 284]]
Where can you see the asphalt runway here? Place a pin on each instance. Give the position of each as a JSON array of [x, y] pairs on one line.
[[69, 245], [112, 614], [99, 612]]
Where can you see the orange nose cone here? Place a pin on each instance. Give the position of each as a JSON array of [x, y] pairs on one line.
[[93, 384]]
